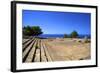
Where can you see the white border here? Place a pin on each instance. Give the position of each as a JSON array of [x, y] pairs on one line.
[[21, 65]]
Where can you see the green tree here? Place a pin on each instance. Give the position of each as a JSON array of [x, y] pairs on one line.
[[74, 34], [27, 31], [36, 30], [65, 35], [32, 30]]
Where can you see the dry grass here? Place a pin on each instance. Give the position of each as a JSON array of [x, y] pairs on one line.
[[68, 49]]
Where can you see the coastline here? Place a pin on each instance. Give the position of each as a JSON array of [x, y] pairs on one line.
[[62, 35]]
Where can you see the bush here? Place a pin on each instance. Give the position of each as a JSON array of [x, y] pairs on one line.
[[87, 41], [80, 41], [74, 34], [65, 35]]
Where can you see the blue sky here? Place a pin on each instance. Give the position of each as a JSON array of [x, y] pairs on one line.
[[58, 22]]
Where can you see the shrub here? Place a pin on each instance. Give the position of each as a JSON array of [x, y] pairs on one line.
[[87, 41], [65, 35], [74, 34]]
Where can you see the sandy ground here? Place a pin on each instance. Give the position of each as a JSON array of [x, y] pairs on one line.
[[68, 49]]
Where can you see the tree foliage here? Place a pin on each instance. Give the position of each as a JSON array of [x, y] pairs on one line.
[[74, 34], [65, 35], [32, 30]]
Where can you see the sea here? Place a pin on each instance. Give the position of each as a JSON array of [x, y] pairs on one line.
[[62, 35]]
